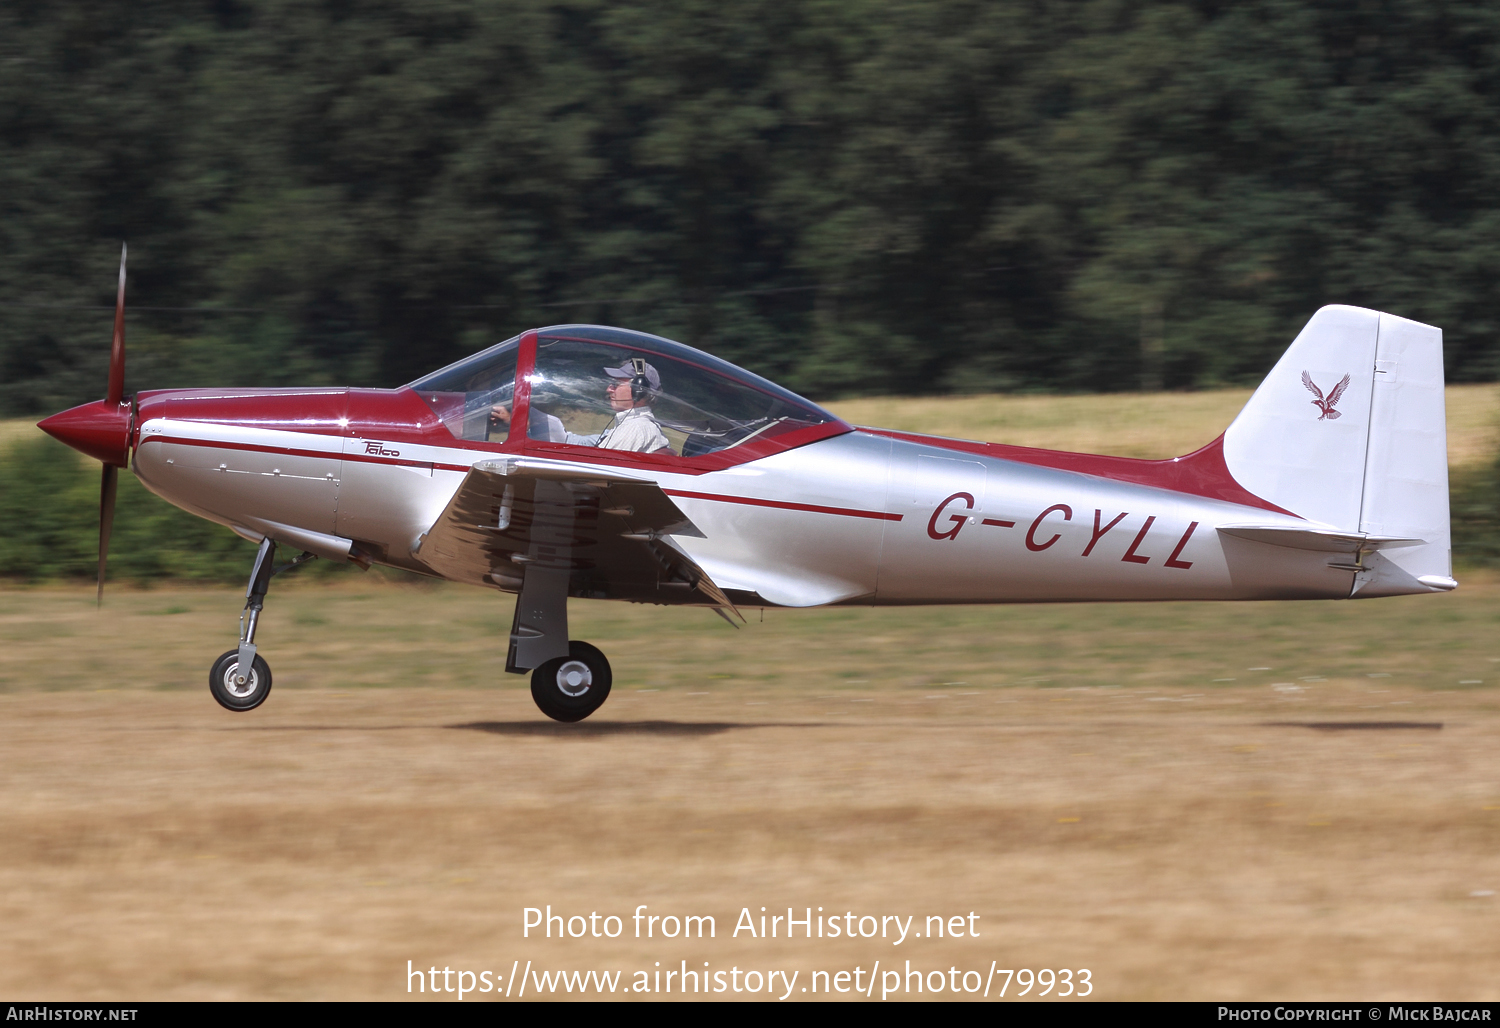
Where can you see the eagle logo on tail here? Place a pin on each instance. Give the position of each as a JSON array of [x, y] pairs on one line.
[[1327, 404]]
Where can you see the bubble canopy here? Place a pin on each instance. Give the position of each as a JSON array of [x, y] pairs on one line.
[[464, 394], [583, 381]]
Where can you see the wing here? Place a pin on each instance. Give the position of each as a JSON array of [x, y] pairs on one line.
[[612, 532], [1307, 381], [1337, 391]]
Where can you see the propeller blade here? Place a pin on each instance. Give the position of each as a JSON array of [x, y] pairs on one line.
[[116, 391], [107, 487]]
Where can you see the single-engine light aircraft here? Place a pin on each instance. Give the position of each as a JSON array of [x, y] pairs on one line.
[[584, 461]]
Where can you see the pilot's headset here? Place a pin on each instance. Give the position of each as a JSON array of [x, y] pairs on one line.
[[640, 384]]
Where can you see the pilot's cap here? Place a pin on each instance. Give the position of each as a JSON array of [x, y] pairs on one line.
[[633, 367]]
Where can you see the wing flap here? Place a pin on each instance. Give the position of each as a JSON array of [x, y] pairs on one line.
[[611, 531]]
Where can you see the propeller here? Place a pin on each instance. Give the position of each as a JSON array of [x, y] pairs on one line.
[[102, 429], [113, 395], [107, 486]]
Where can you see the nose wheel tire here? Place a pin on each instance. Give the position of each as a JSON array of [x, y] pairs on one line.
[[573, 687], [223, 682]]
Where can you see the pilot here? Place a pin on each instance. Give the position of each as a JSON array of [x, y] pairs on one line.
[[630, 390]]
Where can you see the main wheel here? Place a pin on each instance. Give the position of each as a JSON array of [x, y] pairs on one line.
[[229, 692], [573, 687]]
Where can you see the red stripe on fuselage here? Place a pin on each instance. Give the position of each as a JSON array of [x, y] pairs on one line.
[[291, 451]]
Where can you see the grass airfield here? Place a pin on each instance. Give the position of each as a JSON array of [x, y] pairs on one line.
[[1153, 792]]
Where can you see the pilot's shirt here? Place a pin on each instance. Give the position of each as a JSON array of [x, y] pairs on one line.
[[635, 430]]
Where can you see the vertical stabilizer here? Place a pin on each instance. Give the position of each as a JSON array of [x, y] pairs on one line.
[[1349, 431]]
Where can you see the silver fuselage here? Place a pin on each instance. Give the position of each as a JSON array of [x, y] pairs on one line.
[[859, 518]]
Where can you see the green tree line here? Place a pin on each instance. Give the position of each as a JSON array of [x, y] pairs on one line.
[[49, 525], [848, 196]]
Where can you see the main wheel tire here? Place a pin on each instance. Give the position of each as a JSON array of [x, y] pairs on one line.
[[573, 687], [230, 694]]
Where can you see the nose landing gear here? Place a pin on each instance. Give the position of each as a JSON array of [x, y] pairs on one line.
[[240, 679], [235, 691]]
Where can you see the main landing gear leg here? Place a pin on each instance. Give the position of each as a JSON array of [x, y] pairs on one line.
[[240, 679], [569, 679]]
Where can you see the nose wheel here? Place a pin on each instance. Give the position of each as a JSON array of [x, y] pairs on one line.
[[235, 691], [573, 687]]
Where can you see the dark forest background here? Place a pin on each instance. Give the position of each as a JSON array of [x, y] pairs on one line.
[[848, 196]]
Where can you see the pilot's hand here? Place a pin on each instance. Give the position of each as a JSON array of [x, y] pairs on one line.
[[501, 413]]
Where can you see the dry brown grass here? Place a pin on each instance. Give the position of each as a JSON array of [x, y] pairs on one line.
[[357, 631], [153, 846], [1473, 423], [1075, 775], [1153, 425], [1123, 424], [16, 430]]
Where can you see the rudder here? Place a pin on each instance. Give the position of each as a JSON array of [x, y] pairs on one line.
[[1406, 466]]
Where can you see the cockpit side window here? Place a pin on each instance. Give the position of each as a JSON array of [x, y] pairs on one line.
[[474, 397]]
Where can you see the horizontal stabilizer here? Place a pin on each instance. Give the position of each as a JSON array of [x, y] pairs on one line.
[[1324, 540]]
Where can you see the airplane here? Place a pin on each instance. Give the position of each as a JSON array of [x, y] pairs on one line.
[[511, 470]]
